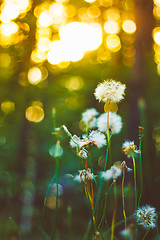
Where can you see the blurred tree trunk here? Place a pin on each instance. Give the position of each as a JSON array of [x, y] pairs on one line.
[[143, 45]]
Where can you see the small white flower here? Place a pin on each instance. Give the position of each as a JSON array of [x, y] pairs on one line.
[[82, 153], [97, 138], [115, 123], [146, 216], [110, 91], [129, 148], [89, 117], [114, 172], [84, 175]]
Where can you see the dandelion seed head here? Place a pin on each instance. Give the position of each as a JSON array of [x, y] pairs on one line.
[[146, 216], [84, 175], [82, 154], [129, 148], [89, 117], [97, 138], [115, 123], [110, 91], [114, 172]]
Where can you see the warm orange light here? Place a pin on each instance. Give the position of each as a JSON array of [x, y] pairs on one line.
[[34, 114], [34, 75], [129, 26], [8, 29], [113, 43], [156, 35], [111, 27], [45, 19], [157, 2]]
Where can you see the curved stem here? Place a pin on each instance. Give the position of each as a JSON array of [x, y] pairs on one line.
[[146, 233]]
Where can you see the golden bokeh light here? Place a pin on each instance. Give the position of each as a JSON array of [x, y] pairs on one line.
[[76, 39], [158, 69], [93, 12], [157, 2], [34, 113], [86, 37], [113, 43], [9, 11], [156, 35], [34, 75], [112, 14], [45, 19], [7, 106], [90, 1], [111, 27], [43, 44], [8, 29], [156, 12], [129, 26], [74, 83]]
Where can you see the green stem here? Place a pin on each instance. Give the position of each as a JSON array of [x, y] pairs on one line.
[[124, 213], [17, 227], [141, 179], [135, 189], [114, 211], [101, 184], [146, 233], [104, 211], [56, 210]]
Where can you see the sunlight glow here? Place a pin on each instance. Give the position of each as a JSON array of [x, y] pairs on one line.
[[76, 39], [157, 2], [34, 75], [156, 35], [34, 113], [111, 27], [10, 11], [8, 29], [129, 26], [113, 43]]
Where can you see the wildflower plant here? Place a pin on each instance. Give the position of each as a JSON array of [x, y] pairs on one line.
[[99, 128]]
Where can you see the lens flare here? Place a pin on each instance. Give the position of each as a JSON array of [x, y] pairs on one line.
[[113, 43]]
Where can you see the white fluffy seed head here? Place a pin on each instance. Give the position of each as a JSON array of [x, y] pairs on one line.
[[89, 117], [129, 148], [97, 138], [110, 91], [115, 123], [114, 172], [84, 175], [146, 216]]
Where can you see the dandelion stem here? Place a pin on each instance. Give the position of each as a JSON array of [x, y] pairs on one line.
[[146, 233], [114, 211], [124, 213], [140, 160], [56, 210], [104, 211], [17, 227], [135, 189]]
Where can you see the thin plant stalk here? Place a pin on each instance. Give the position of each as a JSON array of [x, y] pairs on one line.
[[124, 213], [140, 161], [17, 227], [114, 211], [146, 233], [57, 198], [135, 189], [105, 205]]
